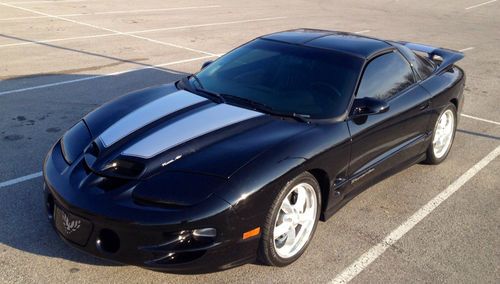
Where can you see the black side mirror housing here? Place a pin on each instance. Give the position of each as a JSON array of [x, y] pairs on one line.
[[368, 106], [206, 64]]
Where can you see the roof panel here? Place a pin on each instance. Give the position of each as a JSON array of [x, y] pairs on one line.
[[297, 36], [359, 45]]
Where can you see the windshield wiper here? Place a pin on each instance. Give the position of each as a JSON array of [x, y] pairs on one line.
[[213, 95], [267, 109]]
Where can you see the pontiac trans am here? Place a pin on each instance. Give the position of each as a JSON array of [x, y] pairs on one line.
[[241, 160]]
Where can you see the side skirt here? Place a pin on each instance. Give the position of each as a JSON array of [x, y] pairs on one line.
[[343, 200]]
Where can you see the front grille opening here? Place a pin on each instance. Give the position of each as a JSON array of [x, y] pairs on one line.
[[182, 247], [108, 241], [93, 149], [124, 168]]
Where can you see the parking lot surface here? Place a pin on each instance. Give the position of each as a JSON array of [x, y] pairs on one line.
[[61, 59]]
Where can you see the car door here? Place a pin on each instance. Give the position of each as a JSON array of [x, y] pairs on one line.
[[387, 141]]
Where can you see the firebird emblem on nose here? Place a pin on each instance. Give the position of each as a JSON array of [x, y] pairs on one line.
[[70, 226]]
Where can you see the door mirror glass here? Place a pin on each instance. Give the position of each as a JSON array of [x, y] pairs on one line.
[[206, 64], [368, 106]]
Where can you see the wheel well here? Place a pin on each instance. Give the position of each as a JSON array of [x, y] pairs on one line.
[[324, 185]]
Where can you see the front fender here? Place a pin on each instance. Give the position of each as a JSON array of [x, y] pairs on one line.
[[252, 189]]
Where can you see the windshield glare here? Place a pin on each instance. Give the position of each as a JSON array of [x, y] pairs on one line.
[[287, 78]]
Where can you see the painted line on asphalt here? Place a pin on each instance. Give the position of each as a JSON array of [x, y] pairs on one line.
[[467, 49], [104, 75], [144, 31], [480, 119], [208, 25], [115, 12], [480, 4], [54, 2], [373, 253], [106, 29], [20, 179], [56, 40]]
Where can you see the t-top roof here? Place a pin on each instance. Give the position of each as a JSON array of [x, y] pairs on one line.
[[354, 44]]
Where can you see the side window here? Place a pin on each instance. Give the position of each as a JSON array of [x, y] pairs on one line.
[[385, 76]]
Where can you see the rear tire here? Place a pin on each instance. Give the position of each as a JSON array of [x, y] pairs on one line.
[[291, 221], [442, 135]]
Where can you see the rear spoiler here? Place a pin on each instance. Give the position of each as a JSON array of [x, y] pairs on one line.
[[449, 57]]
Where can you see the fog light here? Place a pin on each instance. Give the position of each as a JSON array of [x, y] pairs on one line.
[[108, 241]]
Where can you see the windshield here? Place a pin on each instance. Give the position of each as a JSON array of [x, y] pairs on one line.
[[309, 82]]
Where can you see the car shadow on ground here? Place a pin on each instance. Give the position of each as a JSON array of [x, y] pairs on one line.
[[478, 134], [24, 224]]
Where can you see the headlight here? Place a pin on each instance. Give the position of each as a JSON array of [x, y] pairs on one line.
[[74, 141]]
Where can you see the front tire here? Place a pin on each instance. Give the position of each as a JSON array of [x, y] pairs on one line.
[[291, 221], [442, 136]]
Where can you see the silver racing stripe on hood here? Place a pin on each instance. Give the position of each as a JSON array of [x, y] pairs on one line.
[[188, 128], [147, 114]]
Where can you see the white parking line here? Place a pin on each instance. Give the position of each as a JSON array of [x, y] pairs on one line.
[[207, 25], [20, 179], [467, 49], [115, 12], [56, 40], [480, 119], [480, 4], [363, 32], [145, 31], [104, 75], [106, 29], [373, 253], [36, 2]]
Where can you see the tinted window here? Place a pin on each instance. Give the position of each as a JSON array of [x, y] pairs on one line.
[[424, 66], [385, 76], [288, 78]]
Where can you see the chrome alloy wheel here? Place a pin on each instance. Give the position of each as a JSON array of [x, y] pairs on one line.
[[295, 220], [443, 134]]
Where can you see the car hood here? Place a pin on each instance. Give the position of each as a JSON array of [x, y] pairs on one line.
[[161, 130]]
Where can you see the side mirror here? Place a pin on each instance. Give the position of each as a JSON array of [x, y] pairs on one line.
[[206, 64], [368, 106]]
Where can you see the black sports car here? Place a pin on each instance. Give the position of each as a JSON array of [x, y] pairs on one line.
[[242, 159]]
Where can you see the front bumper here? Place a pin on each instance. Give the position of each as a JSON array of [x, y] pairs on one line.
[[109, 225]]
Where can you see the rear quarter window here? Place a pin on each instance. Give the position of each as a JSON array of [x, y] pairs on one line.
[[423, 66]]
